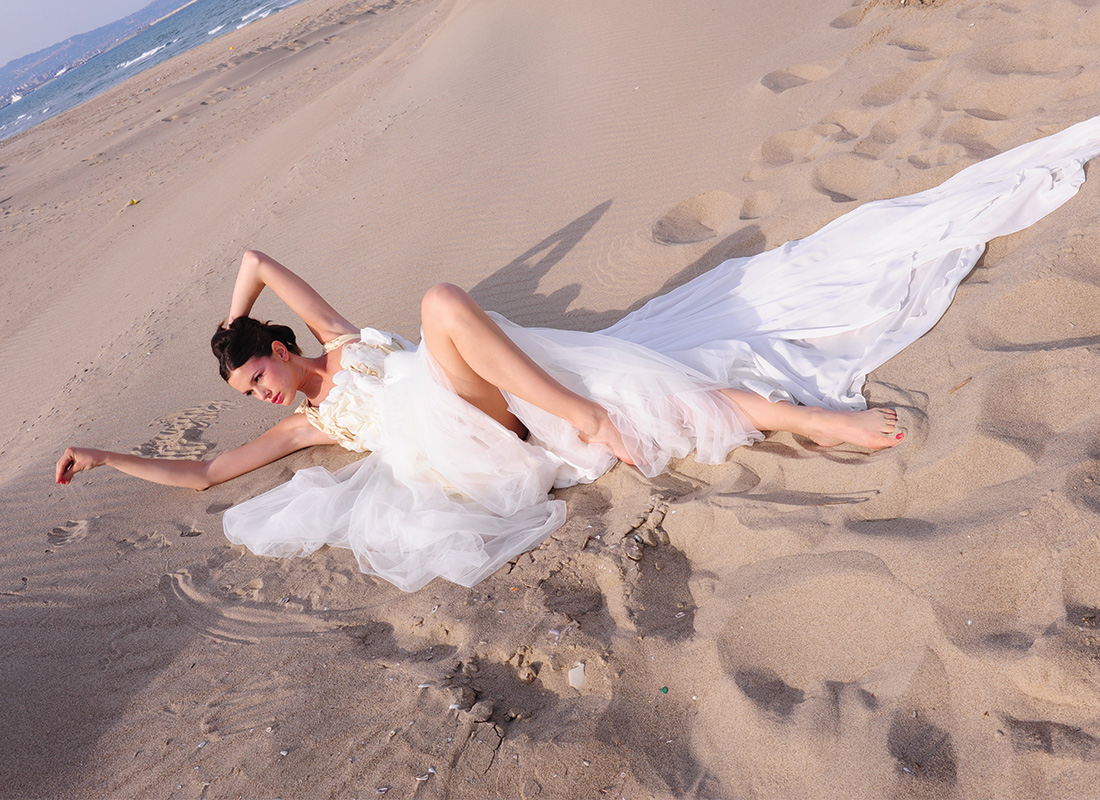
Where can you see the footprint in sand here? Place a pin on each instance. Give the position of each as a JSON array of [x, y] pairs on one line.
[[1018, 412], [847, 177], [789, 147], [855, 15], [918, 115], [237, 623], [792, 624], [658, 596], [1044, 315], [923, 751], [1087, 84], [656, 591], [180, 433], [1045, 57], [1000, 99], [799, 75], [933, 157], [244, 710], [980, 138], [577, 596], [71, 531], [1052, 738], [897, 87], [851, 17], [487, 688], [1004, 454], [927, 44], [852, 123], [696, 219], [760, 203], [1083, 487], [768, 691], [986, 10]]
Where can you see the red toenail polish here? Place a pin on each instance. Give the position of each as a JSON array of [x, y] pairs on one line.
[[900, 436]]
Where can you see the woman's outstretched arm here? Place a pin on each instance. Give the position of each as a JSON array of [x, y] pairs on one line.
[[258, 270], [293, 433]]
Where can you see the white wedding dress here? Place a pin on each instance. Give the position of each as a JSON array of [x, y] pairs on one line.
[[448, 492]]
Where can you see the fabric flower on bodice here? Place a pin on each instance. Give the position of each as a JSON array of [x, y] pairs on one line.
[[351, 412]]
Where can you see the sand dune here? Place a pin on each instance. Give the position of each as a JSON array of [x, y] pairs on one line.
[[797, 623]]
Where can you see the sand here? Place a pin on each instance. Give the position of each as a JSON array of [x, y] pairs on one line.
[[797, 623]]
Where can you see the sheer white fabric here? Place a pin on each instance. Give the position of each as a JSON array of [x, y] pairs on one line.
[[449, 493]]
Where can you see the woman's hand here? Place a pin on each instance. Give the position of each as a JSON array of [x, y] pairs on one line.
[[77, 459]]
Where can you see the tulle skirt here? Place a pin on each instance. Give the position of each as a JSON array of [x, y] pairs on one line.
[[452, 494]]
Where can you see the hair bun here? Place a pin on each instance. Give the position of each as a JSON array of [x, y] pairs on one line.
[[245, 338]]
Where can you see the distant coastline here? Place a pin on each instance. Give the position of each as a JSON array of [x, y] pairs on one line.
[[26, 74], [174, 11], [55, 79]]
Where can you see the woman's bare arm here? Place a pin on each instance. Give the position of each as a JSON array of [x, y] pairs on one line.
[[293, 433], [259, 270]]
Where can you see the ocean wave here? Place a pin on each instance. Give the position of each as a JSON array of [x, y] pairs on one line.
[[143, 56], [264, 10], [257, 13], [215, 31]]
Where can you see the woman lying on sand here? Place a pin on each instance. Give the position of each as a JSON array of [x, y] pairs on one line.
[[469, 432], [348, 400]]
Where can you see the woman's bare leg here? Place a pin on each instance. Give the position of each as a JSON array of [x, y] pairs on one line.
[[481, 361], [874, 428]]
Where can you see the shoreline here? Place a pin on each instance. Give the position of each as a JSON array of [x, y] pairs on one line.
[[117, 42]]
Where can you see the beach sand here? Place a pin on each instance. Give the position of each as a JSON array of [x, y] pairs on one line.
[[797, 623]]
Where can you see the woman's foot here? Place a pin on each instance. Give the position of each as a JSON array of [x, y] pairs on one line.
[[873, 429]]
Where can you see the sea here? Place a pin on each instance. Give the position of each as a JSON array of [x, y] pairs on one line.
[[199, 22]]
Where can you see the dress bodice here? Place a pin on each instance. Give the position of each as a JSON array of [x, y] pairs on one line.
[[351, 413]]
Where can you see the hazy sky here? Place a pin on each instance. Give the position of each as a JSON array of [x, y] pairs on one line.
[[29, 25]]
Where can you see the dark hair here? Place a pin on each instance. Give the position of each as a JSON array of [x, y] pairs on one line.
[[244, 338]]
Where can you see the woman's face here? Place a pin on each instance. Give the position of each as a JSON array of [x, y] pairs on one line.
[[267, 378]]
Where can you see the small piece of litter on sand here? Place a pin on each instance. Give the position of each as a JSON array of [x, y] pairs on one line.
[[576, 677], [961, 385]]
